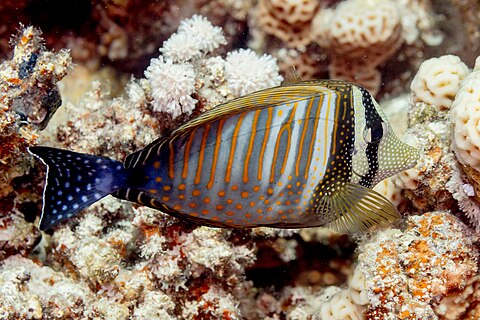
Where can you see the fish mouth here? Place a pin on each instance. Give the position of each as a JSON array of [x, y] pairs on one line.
[[413, 159]]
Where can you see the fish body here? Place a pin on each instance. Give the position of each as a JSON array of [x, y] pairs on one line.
[[300, 155]]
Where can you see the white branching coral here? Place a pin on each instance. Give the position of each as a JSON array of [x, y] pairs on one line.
[[246, 72], [193, 37], [209, 37], [172, 86]]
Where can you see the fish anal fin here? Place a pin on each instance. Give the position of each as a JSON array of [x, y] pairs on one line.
[[356, 209], [292, 76]]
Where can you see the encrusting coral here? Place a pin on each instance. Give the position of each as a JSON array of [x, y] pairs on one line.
[[407, 272], [119, 260], [28, 99]]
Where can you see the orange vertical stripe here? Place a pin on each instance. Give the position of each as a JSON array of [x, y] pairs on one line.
[[335, 128], [264, 144], [250, 146], [289, 138], [302, 138], [171, 156], [314, 135], [201, 155], [186, 155], [218, 143], [285, 126], [233, 146]]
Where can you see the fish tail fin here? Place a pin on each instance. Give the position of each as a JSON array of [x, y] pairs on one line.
[[75, 181]]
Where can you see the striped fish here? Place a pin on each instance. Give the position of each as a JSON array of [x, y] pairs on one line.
[[304, 154]]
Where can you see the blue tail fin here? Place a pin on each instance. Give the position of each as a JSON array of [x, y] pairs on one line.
[[75, 181]]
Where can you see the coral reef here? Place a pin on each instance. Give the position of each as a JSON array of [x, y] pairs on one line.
[[406, 272], [28, 100], [119, 260], [361, 35]]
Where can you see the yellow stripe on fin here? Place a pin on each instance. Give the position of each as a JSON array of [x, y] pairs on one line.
[[355, 209], [259, 100]]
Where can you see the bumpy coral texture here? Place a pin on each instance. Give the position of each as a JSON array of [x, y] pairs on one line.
[[28, 99], [195, 36], [172, 86], [361, 34], [406, 272], [246, 72], [288, 20], [465, 117], [438, 80]]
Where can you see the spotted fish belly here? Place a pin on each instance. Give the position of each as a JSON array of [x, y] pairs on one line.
[[258, 167]]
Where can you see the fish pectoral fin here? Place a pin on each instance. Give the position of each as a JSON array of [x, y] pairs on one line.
[[355, 209]]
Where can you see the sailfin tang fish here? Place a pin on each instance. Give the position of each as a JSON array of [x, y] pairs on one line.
[[303, 154]]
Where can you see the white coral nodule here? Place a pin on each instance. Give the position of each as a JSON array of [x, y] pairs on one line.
[[193, 37], [209, 36], [172, 86], [246, 72]]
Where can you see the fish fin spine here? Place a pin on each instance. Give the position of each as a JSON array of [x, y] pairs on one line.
[[356, 209]]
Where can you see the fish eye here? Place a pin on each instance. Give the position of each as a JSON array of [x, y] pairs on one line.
[[374, 133]]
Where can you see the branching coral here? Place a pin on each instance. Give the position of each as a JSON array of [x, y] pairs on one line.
[[194, 37], [172, 86], [245, 72]]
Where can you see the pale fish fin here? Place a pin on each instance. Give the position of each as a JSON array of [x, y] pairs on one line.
[[292, 76], [267, 98], [356, 209]]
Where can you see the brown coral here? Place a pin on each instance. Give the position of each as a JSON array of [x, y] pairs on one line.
[[288, 20]]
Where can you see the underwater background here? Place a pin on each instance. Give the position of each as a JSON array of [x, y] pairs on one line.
[[108, 77]]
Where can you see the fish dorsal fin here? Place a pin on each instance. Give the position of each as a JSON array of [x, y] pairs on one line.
[[355, 209], [292, 76], [258, 100], [270, 97], [133, 158]]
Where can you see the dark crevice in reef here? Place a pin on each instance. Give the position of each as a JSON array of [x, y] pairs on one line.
[[270, 271], [58, 15]]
